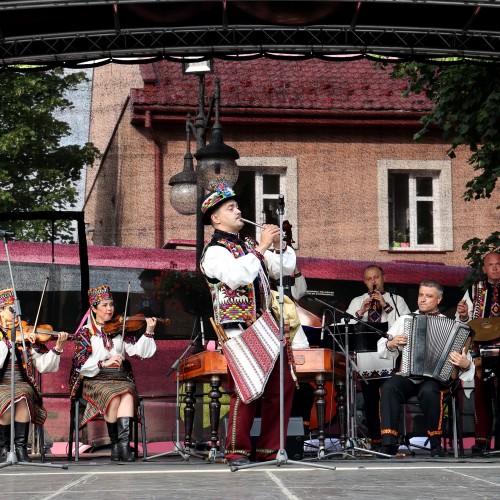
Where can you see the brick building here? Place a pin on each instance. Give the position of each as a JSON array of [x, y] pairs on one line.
[[335, 138]]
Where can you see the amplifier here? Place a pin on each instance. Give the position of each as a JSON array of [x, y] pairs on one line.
[[294, 443]]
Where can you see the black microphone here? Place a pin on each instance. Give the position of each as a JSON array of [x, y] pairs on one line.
[[6, 234], [323, 325], [348, 316], [281, 204]]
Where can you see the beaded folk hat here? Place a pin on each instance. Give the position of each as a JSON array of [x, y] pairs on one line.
[[100, 293], [223, 192], [6, 297]]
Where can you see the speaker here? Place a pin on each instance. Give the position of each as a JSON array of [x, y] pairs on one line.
[[294, 443]]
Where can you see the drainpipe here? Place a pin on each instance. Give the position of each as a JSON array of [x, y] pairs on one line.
[[159, 202]]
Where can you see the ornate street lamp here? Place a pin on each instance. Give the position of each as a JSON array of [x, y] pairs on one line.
[[183, 195], [214, 160], [217, 159]]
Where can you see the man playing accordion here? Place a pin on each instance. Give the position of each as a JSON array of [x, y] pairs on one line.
[[429, 391]]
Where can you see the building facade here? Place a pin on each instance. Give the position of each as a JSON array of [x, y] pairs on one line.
[[335, 138]]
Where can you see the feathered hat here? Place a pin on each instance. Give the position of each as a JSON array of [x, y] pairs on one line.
[[223, 192]]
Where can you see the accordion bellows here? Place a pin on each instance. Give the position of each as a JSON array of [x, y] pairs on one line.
[[431, 339]]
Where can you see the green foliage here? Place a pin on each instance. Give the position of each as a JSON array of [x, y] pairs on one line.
[[36, 172], [466, 108], [477, 249], [466, 102]]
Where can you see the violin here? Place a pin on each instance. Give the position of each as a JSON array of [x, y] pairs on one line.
[[44, 333], [132, 324], [287, 229]]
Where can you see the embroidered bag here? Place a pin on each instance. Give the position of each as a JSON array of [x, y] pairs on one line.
[[251, 356]]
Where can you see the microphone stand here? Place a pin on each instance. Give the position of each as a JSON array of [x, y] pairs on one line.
[[391, 295], [348, 421], [178, 447], [281, 456], [16, 311]]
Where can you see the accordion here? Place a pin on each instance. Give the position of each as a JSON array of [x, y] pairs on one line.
[[431, 339]]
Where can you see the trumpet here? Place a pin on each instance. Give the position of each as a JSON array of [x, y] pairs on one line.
[[253, 223]]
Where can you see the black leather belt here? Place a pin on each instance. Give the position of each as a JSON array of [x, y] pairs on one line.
[[234, 324]]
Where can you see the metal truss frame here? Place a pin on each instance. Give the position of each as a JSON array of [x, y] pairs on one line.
[[347, 38]]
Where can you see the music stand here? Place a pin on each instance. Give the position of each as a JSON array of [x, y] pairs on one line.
[[179, 449], [281, 456], [16, 311]]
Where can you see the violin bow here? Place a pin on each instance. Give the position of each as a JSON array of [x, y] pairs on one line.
[[40, 304], [125, 313], [25, 354], [36, 322]]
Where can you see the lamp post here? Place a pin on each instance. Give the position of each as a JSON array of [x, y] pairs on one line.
[[214, 160]]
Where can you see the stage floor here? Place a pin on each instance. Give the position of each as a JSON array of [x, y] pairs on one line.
[[364, 477]]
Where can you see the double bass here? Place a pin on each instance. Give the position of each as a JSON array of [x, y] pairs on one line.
[[312, 324]]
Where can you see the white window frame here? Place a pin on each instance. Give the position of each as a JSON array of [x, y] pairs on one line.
[[286, 167], [442, 202]]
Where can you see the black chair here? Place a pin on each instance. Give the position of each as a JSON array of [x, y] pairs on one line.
[[36, 442], [451, 420], [78, 404]]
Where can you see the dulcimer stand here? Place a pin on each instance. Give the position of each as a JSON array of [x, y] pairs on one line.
[[347, 412], [179, 449], [281, 456], [16, 314]]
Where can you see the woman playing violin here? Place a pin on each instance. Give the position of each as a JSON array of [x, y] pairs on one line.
[[28, 402], [103, 374]]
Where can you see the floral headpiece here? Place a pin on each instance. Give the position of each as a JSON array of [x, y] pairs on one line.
[[6, 297], [100, 293], [223, 192]]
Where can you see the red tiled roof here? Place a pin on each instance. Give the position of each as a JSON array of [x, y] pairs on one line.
[[149, 258], [271, 84]]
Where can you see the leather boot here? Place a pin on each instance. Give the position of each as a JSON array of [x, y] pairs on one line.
[[113, 436], [4, 442], [124, 433], [22, 430]]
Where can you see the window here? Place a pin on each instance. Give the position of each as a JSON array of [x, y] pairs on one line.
[[260, 182], [415, 205]]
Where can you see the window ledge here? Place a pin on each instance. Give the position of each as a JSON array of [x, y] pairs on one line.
[[415, 250]]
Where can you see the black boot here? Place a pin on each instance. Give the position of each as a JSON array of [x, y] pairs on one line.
[[4, 442], [113, 436], [22, 430], [124, 433]]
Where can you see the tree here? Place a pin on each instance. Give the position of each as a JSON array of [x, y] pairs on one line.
[[36, 172], [466, 102]]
